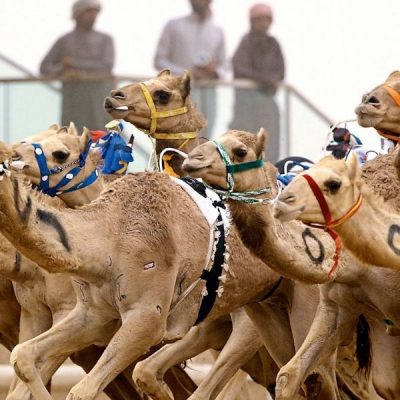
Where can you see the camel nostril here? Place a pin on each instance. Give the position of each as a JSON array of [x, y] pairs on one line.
[[289, 199], [118, 94], [370, 99], [16, 156]]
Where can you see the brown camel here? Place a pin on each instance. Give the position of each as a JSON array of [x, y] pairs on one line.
[[368, 228], [353, 289]]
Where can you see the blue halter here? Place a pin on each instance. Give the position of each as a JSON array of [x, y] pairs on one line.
[[45, 173]]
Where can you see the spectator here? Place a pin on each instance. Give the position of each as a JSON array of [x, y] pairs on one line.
[[259, 58], [83, 59], [194, 42]]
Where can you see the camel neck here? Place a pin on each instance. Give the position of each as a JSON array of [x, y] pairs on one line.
[[373, 235], [85, 195], [283, 248]]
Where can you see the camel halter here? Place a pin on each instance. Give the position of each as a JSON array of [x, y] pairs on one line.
[[396, 97], [45, 172], [329, 223], [154, 116], [235, 168]]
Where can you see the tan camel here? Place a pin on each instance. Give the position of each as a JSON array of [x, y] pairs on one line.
[[353, 289], [111, 279], [46, 298], [368, 228]]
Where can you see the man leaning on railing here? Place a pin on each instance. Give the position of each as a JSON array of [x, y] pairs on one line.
[[83, 59]]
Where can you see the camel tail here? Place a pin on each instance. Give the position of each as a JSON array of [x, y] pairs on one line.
[[363, 346]]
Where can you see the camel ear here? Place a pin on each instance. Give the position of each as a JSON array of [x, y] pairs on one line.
[[54, 127], [164, 72], [185, 84], [72, 129], [394, 76], [86, 136], [353, 166], [261, 140]]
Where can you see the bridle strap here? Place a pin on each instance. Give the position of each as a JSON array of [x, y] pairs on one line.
[[393, 93], [329, 223], [154, 115], [230, 183], [45, 172]]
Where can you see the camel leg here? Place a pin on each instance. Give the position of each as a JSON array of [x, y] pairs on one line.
[[148, 374], [141, 329], [79, 329], [274, 329], [330, 327], [242, 345]]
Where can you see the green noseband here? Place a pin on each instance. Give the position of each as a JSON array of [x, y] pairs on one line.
[[235, 168]]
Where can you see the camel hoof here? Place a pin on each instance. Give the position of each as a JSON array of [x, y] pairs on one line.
[[147, 381], [23, 364], [283, 388]]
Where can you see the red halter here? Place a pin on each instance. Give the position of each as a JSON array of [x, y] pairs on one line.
[[329, 223]]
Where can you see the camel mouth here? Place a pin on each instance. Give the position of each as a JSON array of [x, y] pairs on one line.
[[116, 109], [368, 115], [17, 162], [195, 167], [283, 212]]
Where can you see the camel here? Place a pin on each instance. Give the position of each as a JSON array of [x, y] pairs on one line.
[[349, 289], [47, 298], [369, 229]]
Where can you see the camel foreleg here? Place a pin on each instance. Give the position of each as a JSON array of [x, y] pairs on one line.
[[149, 373], [242, 345], [41, 356], [330, 327], [141, 329]]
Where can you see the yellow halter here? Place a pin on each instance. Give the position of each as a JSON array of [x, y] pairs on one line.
[[163, 114], [154, 115]]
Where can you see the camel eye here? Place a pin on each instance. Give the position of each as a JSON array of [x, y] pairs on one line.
[[333, 185], [240, 152], [60, 156], [161, 96]]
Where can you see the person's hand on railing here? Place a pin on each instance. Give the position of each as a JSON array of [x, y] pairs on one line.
[[206, 71]]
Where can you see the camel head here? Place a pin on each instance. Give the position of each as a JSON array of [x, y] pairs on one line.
[[170, 97], [380, 108], [339, 182], [206, 161], [61, 146]]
